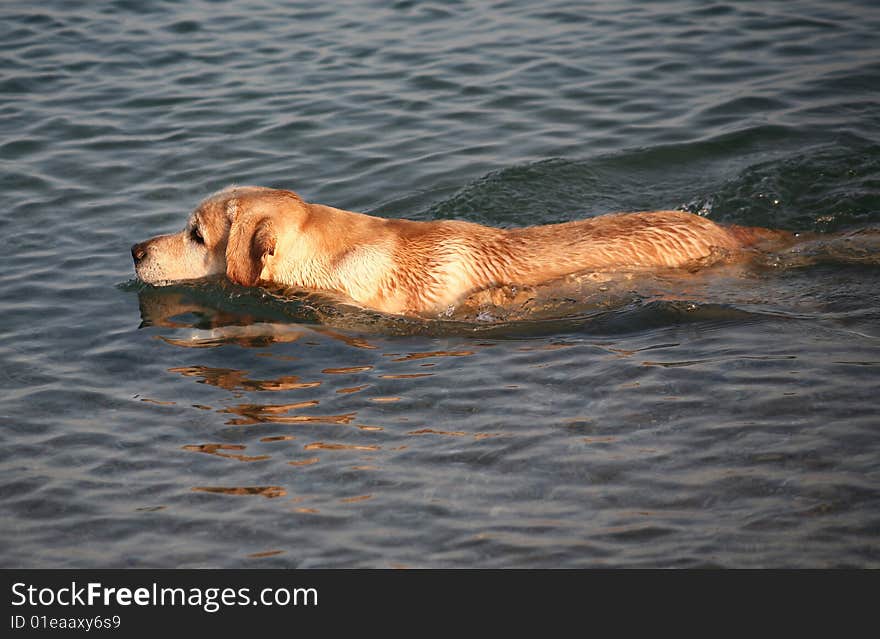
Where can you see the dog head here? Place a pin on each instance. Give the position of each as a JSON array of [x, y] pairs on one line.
[[234, 231]]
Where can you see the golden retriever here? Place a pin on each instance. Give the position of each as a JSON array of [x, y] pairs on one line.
[[257, 234]]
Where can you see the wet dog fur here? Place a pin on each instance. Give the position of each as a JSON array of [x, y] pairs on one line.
[[259, 235]]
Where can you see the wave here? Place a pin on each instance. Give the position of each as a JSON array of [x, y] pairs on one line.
[[770, 176]]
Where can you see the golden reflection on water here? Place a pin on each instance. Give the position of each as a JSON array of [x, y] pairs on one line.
[[274, 413], [283, 358], [305, 462], [233, 379], [269, 492], [346, 370], [431, 431], [216, 327], [357, 342], [214, 449], [224, 328], [258, 338], [332, 446], [265, 553], [212, 328], [352, 389], [161, 307]]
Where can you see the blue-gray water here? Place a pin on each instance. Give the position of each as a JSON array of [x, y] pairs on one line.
[[723, 422]]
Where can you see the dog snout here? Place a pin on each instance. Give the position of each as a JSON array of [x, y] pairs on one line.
[[139, 252]]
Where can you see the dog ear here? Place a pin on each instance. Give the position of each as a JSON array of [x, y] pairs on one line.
[[251, 241]]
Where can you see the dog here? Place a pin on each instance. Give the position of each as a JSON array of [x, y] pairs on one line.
[[259, 235]]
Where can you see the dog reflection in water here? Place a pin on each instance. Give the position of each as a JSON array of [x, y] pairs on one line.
[[211, 326]]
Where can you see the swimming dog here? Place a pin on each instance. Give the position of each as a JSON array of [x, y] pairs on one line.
[[259, 235]]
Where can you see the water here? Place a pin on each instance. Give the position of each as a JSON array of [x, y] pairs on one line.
[[722, 421]]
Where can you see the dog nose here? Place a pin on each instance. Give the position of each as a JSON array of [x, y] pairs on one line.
[[138, 252]]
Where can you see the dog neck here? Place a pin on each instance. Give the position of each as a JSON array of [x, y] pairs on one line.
[[334, 250]]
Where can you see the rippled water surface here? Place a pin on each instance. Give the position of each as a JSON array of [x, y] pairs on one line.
[[722, 419]]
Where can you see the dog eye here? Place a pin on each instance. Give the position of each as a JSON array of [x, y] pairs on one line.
[[196, 235]]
